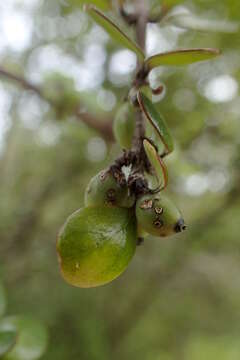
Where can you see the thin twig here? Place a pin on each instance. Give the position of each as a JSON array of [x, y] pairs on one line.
[[141, 41], [21, 81], [104, 127]]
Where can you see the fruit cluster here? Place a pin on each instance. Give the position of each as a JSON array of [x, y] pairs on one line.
[[98, 241], [122, 205]]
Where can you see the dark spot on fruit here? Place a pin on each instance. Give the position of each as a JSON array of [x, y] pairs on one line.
[[158, 223], [103, 175], [146, 204], [111, 194], [180, 226], [158, 210]]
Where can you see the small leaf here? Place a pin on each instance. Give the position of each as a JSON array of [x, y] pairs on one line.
[[70, 5], [114, 31], [31, 337], [7, 341], [180, 57], [157, 121], [193, 22], [101, 4], [157, 163], [3, 300]]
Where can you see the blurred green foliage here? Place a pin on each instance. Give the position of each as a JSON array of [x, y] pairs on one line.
[[22, 337], [180, 297], [3, 300], [31, 339]]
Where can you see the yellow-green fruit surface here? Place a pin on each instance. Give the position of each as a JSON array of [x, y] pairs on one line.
[[158, 215], [96, 244], [103, 189], [124, 125], [31, 339]]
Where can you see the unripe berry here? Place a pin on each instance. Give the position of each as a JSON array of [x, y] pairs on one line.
[[104, 189], [96, 244], [158, 215]]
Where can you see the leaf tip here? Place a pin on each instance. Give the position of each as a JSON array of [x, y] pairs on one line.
[[218, 52], [86, 7], [89, 7], [214, 52]]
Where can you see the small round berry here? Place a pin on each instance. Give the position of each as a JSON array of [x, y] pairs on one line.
[[105, 189], [158, 215]]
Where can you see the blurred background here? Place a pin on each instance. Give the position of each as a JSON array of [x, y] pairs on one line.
[[180, 297]]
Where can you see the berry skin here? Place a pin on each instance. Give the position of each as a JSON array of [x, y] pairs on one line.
[[96, 244], [158, 215], [104, 189]]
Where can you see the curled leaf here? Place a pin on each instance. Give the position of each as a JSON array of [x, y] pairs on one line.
[[180, 57], [157, 121], [157, 163], [114, 31]]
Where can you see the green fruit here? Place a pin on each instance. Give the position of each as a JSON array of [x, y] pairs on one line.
[[96, 245], [31, 340], [124, 126], [158, 215], [103, 189]]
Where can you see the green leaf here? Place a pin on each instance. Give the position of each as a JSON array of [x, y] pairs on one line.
[[3, 300], [157, 122], [101, 4], [31, 340], [157, 163], [7, 341], [70, 5], [180, 57], [114, 31], [193, 22]]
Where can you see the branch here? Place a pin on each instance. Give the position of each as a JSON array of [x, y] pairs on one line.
[[132, 19], [102, 126], [21, 81], [141, 26]]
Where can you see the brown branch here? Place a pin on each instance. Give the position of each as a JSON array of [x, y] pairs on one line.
[[132, 19], [21, 81], [141, 26], [104, 127]]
